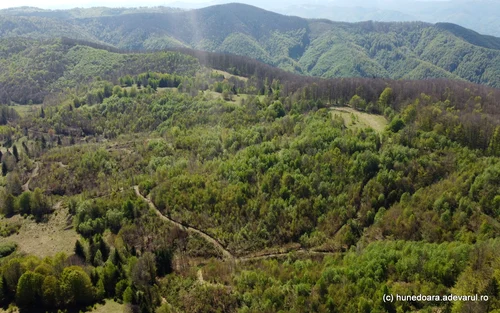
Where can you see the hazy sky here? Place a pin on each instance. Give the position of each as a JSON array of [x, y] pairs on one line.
[[65, 4]]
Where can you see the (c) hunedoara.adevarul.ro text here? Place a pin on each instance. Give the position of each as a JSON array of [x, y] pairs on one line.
[[435, 298]]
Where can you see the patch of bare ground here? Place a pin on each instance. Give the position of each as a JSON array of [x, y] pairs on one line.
[[45, 238]]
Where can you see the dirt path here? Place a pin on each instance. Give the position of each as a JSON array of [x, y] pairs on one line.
[[218, 245], [26, 187]]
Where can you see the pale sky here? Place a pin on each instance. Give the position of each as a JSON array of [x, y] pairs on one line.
[[65, 4]]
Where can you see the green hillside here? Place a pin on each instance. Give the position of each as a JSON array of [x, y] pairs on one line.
[[188, 181], [411, 50], [30, 69], [154, 183]]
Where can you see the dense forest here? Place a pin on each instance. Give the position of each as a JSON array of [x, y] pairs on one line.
[[203, 182], [317, 47]]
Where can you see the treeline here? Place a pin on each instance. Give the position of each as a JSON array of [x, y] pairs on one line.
[[340, 90], [475, 107]]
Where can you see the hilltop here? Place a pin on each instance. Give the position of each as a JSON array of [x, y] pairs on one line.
[[409, 50]]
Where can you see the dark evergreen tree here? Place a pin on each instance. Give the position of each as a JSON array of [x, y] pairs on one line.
[[4, 168], [26, 150], [80, 250], [15, 152]]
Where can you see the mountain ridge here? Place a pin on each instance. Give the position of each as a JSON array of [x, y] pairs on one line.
[[318, 47]]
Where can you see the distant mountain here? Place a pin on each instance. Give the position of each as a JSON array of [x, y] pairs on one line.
[[409, 50], [479, 15]]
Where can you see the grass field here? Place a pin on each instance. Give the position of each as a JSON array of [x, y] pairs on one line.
[[44, 239], [109, 306], [355, 119], [228, 75], [22, 110], [215, 95]]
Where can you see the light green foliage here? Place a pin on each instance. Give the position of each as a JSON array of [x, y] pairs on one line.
[[411, 208], [29, 289], [7, 249], [76, 287], [72, 64]]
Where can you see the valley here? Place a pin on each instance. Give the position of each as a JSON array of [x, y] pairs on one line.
[[166, 179], [317, 47]]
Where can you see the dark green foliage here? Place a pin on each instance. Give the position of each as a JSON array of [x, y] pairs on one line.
[[163, 258], [25, 203], [80, 250], [396, 125], [7, 249], [8, 202], [15, 152], [7, 115], [39, 205]]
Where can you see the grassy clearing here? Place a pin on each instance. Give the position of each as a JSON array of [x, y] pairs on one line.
[[44, 239], [23, 110], [355, 119], [228, 75], [109, 306], [212, 95]]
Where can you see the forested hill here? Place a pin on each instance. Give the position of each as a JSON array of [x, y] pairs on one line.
[[322, 48], [32, 69]]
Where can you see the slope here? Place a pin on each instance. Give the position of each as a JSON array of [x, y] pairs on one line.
[[410, 50], [30, 69]]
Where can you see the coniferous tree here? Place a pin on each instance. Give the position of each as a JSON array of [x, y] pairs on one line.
[[5, 170], [15, 152], [9, 204], [80, 250], [26, 150], [43, 143]]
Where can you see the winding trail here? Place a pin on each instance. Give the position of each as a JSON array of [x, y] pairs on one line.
[[227, 255], [26, 187], [217, 244]]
